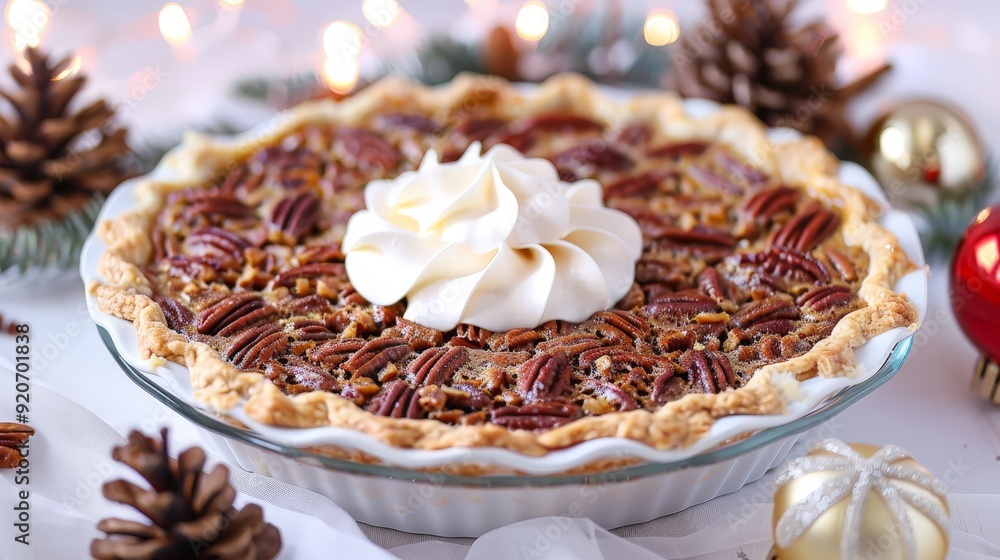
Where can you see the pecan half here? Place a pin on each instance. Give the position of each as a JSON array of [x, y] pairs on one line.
[[625, 322], [216, 241], [824, 297], [223, 204], [310, 304], [667, 387], [595, 153], [539, 416], [787, 263], [621, 355], [773, 348], [395, 400], [807, 229], [708, 178], [513, 339], [698, 235], [233, 180], [470, 336], [465, 397], [194, 267], [178, 316], [335, 352], [13, 437], [710, 282], [288, 277], [843, 265], [436, 366], [774, 326], [418, 123], [365, 150], [256, 346], [555, 328], [294, 216], [312, 331], [523, 134], [234, 314], [350, 296], [634, 134], [678, 340], [708, 370], [741, 169], [633, 299], [678, 150], [375, 355], [686, 302], [478, 129], [765, 310], [320, 253], [164, 244], [419, 336], [655, 270], [641, 185], [567, 175], [561, 122], [298, 168], [298, 376], [768, 203], [572, 344], [545, 376], [609, 392]]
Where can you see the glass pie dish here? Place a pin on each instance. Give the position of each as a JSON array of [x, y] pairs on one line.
[[435, 502], [387, 484]]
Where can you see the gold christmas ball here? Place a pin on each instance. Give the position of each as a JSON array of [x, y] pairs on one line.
[[922, 151], [844, 502]]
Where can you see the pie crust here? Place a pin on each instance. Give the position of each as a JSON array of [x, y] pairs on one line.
[[804, 164]]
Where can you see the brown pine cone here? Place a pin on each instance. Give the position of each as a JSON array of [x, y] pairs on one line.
[[749, 53], [500, 55], [54, 160], [191, 511]]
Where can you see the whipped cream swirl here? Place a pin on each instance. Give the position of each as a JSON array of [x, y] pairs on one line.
[[494, 240]]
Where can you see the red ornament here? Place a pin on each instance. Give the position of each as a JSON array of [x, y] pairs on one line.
[[975, 282]]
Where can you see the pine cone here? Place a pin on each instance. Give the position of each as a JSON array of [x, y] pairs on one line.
[[191, 511], [500, 55], [747, 53], [52, 160]]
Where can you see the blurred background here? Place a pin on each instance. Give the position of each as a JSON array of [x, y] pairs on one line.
[[170, 64]]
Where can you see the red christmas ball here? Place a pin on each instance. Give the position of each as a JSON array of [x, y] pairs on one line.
[[975, 282]]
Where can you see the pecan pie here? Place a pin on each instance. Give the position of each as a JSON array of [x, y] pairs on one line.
[[758, 267]]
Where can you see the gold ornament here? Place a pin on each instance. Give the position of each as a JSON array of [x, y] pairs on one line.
[[843, 502], [922, 152]]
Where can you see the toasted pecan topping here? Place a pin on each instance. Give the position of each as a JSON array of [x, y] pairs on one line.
[[825, 297], [767, 203], [807, 229], [545, 376], [295, 215], [708, 370], [375, 355], [735, 274], [540, 416]]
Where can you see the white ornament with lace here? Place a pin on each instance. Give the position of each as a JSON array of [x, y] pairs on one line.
[[494, 240]]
